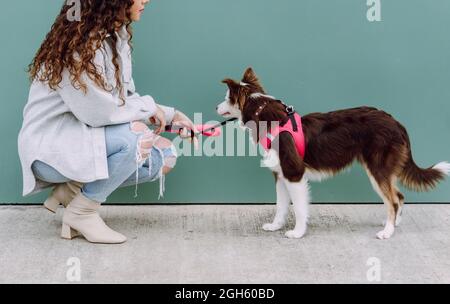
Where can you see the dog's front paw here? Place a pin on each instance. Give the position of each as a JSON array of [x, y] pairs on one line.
[[272, 227], [295, 234], [385, 234]]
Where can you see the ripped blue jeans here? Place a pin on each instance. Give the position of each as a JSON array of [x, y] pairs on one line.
[[130, 162]]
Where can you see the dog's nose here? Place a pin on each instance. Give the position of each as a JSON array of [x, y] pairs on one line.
[[217, 108]]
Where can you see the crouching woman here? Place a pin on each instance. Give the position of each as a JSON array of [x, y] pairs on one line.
[[85, 129]]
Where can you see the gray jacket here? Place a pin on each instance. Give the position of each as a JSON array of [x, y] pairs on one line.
[[65, 127]]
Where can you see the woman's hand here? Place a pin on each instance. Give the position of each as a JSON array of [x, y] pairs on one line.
[[159, 118], [181, 120]]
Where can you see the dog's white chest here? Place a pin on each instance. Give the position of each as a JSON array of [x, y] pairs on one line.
[[271, 161]]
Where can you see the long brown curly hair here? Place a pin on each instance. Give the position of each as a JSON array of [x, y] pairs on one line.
[[66, 38]]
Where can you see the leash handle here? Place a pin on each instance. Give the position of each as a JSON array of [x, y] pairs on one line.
[[205, 130], [176, 129]]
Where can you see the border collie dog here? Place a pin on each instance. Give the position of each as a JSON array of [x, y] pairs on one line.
[[332, 142]]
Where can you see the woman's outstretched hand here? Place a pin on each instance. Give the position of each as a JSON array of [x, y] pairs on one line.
[[160, 119], [181, 120]]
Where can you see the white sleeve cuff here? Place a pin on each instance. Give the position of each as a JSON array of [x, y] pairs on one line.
[[169, 113]]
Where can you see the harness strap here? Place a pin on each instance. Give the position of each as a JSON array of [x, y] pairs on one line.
[[294, 122], [291, 114]]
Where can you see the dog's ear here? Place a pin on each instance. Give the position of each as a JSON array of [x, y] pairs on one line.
[[238, 92], [251, 78], [231, 83]]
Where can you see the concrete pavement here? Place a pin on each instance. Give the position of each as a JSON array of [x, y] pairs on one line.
[[225, 244]]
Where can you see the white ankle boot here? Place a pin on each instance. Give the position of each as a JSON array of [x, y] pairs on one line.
[[62, 194], [81, 216]]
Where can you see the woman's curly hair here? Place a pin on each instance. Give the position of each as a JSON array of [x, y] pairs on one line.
[[67, 38]]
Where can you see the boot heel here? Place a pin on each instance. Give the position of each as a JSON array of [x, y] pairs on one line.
[[68, 233], [51, 204]]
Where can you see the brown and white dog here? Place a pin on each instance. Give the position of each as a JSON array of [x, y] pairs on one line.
[[333, 141]]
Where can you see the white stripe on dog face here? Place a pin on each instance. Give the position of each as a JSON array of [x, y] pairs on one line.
[[226, 109]]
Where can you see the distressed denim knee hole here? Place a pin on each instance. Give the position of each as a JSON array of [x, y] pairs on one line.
[[144, 145], [146, 139]]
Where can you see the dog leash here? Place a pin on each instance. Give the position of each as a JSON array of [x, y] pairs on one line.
[[205, 130]]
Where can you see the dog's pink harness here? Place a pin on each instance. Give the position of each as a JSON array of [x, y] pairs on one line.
[[294, 127]]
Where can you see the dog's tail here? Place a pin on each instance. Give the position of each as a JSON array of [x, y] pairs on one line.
[[418, 179]]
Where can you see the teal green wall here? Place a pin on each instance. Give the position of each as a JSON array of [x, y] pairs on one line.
[[319, 55]]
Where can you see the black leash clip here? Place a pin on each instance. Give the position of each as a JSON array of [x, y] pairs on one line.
[[290, 110]]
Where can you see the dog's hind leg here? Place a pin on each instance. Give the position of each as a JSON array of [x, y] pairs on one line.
[[386, 189], [299, 193], [283, 201], [401, 202], [390, 199]]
